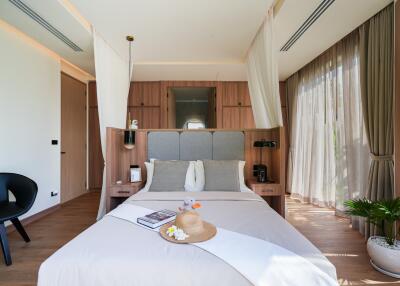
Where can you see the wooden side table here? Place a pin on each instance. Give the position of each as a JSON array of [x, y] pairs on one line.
[[271, 192], [118, 193]]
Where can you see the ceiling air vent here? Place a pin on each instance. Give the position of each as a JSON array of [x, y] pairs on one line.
[[35, 16], [307, 24]]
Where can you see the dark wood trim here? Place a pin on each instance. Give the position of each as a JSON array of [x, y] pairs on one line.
[[34, 217]]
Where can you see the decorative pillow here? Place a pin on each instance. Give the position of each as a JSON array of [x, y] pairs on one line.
[[200, 180], [169, 176], [189, 181], [221, 175]]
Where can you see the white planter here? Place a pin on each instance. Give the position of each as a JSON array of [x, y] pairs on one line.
[[384, 258]]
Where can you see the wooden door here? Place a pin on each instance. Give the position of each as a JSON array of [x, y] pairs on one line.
[[151, 118], [231, 117], [246, 118], [212, 109], [73, 138]]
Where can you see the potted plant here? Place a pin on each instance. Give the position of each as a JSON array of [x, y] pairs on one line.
[[384, 251]]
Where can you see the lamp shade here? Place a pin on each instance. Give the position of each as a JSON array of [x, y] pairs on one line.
[[129, 139]]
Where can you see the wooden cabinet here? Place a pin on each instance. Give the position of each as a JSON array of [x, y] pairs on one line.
[[235, 93], [236, 106], [144, 93], [144, 104]]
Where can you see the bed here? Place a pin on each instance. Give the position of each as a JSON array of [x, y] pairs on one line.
[[117, 251]]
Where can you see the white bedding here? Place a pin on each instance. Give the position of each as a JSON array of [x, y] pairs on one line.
[[117, 252]]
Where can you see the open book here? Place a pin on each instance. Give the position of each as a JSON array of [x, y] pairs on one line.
[[157, 219]]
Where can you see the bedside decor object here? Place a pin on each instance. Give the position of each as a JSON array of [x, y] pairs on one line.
[[188, 226], [135, 173], [384, 251], [260, 170]]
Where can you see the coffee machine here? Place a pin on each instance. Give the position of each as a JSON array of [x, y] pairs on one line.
[[260, 170]]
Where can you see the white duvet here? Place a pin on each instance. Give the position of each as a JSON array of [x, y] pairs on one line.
[[117, 252]]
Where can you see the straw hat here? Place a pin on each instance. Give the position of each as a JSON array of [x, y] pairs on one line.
[[192, 224]]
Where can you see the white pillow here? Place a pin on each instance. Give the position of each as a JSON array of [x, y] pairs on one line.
[[189, 180], [199, 174], [200, 177]]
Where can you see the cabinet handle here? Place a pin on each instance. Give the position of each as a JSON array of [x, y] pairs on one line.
[[123, 192], [240, 103], [142, 104]]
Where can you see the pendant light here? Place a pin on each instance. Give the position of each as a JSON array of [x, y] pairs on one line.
[[129, 133]]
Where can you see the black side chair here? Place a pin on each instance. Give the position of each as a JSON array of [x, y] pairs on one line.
[[24, 190]]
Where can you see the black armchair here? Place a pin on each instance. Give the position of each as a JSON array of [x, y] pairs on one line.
[[24, 190]]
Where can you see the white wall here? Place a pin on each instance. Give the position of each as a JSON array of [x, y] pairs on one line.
[[30, 115]]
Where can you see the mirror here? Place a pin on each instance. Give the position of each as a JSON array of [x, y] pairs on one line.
[[191, 107]]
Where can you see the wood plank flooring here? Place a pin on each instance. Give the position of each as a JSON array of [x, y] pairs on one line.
[[343, 246]]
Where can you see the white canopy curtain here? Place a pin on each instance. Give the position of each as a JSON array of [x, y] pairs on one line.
[[112, 85], [329, 150], [262, 76]]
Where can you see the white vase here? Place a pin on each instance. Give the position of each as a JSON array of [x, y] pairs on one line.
[[384, 258]]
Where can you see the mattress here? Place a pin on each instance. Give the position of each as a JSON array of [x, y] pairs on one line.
[[117, 252]]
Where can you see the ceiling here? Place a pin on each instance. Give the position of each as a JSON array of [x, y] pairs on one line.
[[58, 16], [189, 40]]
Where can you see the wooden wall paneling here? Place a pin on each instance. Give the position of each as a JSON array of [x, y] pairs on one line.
[[92, 94], [230, 94], [135, 94], [151, 93], [397, 100], [151, 118], [96, 160], [231, 117], [246, 118], [218, 105], [244, 94], [137, 114]]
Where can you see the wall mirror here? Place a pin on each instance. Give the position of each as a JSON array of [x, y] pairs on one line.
[[191, 107]]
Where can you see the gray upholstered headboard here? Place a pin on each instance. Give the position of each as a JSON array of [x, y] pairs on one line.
[[195, 145]]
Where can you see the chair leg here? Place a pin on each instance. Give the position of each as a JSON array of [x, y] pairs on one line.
[[4, 244], [20, 229]]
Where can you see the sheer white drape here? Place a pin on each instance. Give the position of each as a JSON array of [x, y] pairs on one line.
[[262, 76], [112, 85], [329, 152]]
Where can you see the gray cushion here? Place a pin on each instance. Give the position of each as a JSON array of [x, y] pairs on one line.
[[195, 145], [169, 176], [221, 175], [163, 145], [228, 145]]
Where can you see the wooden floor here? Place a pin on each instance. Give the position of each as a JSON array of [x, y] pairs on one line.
[[332, 235]]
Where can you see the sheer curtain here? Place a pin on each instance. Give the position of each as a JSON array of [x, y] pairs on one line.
[[112, 84], [262, 76], [328, 152]]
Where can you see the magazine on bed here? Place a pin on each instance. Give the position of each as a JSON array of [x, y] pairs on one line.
[[157, 219]]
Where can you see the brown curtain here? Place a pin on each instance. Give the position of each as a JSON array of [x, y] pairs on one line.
[[376, 79]]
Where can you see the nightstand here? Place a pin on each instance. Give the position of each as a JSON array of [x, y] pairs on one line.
[[271, 192], [117, 193]]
